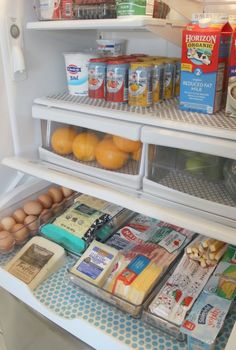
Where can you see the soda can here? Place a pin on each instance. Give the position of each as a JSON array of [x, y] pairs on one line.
[[117, 81], [97, 78], [140, 84]]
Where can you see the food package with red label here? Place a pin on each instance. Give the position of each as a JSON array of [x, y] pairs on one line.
[[180, 291], [147, 247]]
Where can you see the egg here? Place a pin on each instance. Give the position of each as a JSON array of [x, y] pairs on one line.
[[20, 233], [67, 192], [56, 194], [31, 222], [19, 215], [7, 241], [33, 208], [56, 208], [45, 200], [46, 215], [8, 222]]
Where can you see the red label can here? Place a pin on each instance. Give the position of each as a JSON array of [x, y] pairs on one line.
[[117, 81], [67, 9], [97, 78]]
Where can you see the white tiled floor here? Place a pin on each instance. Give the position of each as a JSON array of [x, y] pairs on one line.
[[24, 330]]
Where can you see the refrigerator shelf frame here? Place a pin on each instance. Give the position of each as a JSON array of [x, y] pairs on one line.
[[167, 29], [217, 227], [166, 115]]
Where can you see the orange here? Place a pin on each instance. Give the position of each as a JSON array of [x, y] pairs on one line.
[[109, 156], [84, 146], [62, 139], [136, 155], [126, 145]]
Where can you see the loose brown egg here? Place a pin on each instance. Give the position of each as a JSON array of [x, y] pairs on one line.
[[67, 192], [56, 194], [7, 241], [45, 200], [20, 233], [56, 208], [33, 208], [8, 222], [46, 215], [31, 222], [19, 215]]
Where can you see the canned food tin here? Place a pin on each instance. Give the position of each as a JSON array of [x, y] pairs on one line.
[[140, 84], [117, 81], [157, 82], [169, 79], [97, 78]]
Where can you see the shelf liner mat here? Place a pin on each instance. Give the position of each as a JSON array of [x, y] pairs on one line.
[[211, 191], [71, 302], [130, 168], [167, 110]]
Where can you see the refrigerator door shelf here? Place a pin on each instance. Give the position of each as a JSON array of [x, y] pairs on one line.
[[124, 196], [166, 115]]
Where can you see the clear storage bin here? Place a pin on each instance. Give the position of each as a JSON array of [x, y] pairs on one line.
[[133, 309], [192, 170], [18, 225], [106, 154]]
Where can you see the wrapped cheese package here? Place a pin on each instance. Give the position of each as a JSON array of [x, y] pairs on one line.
[[36, 261], [77, 226], [96, 263], [181, 290], [145, 256]]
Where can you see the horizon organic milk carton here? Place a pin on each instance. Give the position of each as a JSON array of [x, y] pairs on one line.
[[231, 89], [205, 51]]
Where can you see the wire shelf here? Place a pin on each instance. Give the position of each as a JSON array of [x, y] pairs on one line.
[[166, 111]]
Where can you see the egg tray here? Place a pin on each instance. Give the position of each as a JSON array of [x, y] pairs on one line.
[[42, 219]]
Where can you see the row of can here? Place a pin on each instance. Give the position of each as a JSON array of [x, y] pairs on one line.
[[139, 80]]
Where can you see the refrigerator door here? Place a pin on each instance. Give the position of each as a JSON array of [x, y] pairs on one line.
[[22, 329]]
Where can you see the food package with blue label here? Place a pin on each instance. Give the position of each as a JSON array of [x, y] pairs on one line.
[[96, 263], [77, 226], [144, 260], [205, 321]]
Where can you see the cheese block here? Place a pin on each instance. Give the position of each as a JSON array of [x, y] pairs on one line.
[[36, 261], [96, 263], [136, 280]]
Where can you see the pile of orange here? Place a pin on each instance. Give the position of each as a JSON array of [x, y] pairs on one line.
[[111, 152]]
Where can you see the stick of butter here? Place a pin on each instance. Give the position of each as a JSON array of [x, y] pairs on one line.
[[96, 263], [36, 261]]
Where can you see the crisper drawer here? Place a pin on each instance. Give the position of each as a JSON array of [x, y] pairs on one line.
[[107, 149], [193, 170]]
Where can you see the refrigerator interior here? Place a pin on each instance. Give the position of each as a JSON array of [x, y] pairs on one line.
[[21, 136]]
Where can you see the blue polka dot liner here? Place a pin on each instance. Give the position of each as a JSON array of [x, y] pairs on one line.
[[71, 302]]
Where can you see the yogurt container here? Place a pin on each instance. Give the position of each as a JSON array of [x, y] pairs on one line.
[[77, 72]]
